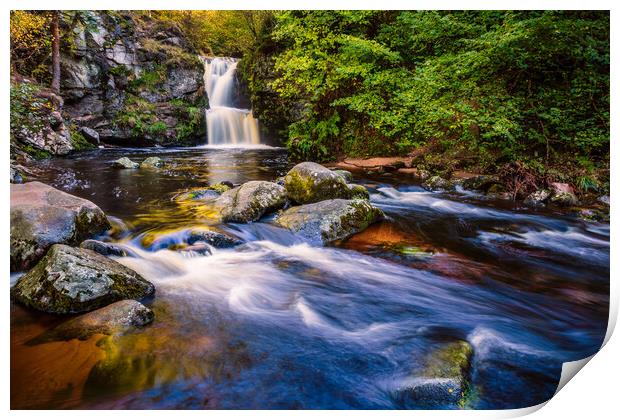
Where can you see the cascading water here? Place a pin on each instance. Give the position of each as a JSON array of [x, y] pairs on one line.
[[227, 124]]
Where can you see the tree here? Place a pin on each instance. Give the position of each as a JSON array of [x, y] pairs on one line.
[[55, 51]]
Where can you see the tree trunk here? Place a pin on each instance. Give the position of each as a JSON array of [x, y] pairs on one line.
[[55, 52]]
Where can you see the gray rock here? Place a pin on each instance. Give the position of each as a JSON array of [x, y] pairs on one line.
[[537, 198], [480, 182], [90, 134], [112, 319], [42, 216], [104, 248], [564, 199], [358, 192], [437, 183], [309, 182], [443, 380], [329, 220], [16, 176], [72, 280], [215, 239], [125, 163], [604, 199], [151, 162], [348, 176], [250, 201]]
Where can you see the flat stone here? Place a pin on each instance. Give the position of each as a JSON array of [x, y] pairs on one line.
[[111, 319]]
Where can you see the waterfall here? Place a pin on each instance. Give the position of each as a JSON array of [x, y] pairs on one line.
[[226, 124]]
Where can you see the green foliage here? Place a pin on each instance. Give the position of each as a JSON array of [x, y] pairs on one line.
[[78, 139], [28, 110], [500, 85]]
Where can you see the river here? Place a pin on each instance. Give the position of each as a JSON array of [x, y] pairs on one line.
[[277, 323]]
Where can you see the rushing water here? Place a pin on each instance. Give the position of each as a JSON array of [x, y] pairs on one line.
[[277, 323], [227, 124]]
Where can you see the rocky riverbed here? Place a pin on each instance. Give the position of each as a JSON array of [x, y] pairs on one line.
[[229, 278]]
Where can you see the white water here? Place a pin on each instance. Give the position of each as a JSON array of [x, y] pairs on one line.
[[227, 125]]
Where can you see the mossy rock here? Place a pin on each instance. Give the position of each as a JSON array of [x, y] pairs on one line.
[[329, 220], [443, 380], [309, 182], [72, 280], [251, 201], [152, 162]]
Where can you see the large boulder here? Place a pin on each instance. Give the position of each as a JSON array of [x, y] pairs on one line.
[[42, 215], [112, 319], [443, 380], [250, 201], [309, 182], [72, 280], [329, 220]]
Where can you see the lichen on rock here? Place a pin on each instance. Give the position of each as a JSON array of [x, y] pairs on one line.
[[72, 280], [329, 220]]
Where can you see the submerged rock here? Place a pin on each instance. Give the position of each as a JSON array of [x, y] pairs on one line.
[[104, 248], [437, 183], [72, 280], [207, 193], [537, 198], [42, 215], [111, 319], [151, 162], [309, 182], [215, 239], [329, 220], [125, 163], [443, 381], [250, 201]]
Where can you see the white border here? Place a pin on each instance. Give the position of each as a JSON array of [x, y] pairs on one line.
[[593, 394]]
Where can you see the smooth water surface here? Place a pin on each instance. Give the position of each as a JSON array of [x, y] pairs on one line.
[[277, 323]]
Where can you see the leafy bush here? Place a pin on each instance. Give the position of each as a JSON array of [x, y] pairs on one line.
[[501, 85]]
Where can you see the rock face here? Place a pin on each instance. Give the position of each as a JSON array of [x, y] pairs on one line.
[[480, 182], [443, 382], [42, 216], [111, 319], [329, 220], [133, 79], [38, 129], [125, 163], [72, 280], [309, 182], [250, 201]]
